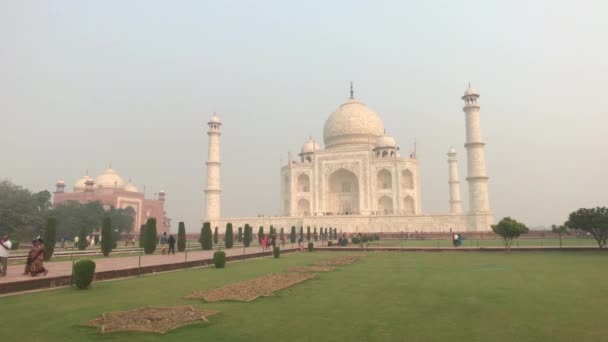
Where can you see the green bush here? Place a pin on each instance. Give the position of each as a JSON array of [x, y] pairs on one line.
[[292, 236], [281, 234], [276, 252], [330, 243], [150, 236], [49, 238], [216, 236], [364, 238], [219, 259], [15, 245], [229, 236], [142, 236], [376, 237], [335, 233], [248, 235], [308, 233], [181, 237], [82, 239], [315, 235], [355, 239], [239, 236], [260, 233], [84, 270], [301, 234], [107, 241], [310, 246], [205, 238]]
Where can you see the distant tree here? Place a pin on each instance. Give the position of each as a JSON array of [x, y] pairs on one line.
[[107, 241], [271, 231], [248, 235], [23, 213], [281, 234], [335, 233], [301, 234], [229, 235], [292, 235], [240, 235], [151, 236], [142, 236], [205, 239], [49, 238], [260, 234], [559, 230], [82, 239], [593, 221], [181, 237], [308, 233], [216, 236], [509, 229], [315, 235]]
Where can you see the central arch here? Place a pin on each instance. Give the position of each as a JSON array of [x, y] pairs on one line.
[[385, 205], [303, 183], [384, 180], [303, 207], [342, 195]]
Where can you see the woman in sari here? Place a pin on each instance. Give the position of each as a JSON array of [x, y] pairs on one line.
[[30, 257], [37, 257]]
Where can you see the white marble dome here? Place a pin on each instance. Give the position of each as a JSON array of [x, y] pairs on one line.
[[215, 119], [470, 91], [310, 146], [352, 123], [109, 179], [80, 184], [386, 141]]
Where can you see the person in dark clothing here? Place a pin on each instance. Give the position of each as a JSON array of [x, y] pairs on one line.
[[171, 242]]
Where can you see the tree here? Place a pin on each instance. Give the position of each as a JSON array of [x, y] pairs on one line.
[[229, 236], [239, 237], [248, 235], [315, 235], [594, 221], [22, 213], [509, 229], [151, 236], [292, 235], [559, 230], [308, 233], [301, 234], [260, 234], [142, 236], [205, 238], [82, 239], [216, 236], [181, 237], [281, 234], [49, 238], [107, 241], [335, 233]]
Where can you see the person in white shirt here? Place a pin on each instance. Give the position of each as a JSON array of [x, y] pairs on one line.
[[5, 248]]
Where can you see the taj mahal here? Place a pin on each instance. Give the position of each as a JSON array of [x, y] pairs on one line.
[[358, 181]]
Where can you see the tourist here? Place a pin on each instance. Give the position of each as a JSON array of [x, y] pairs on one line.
[[459, 241], [283, 241], [171, 241], [30, 257], [5, 249], [76, 238], [455, 240], [264, 242], [37, 259]]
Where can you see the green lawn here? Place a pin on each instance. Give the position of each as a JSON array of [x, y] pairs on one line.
[[410, 296], [548, 242]]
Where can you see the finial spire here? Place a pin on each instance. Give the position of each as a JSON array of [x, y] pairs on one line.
[[352, 92], [110, 165], [469, 84]]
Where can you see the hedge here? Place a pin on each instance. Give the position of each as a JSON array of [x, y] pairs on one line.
[[84, 271], [219, 259], [310, 246], [276, 252], [205, 238]]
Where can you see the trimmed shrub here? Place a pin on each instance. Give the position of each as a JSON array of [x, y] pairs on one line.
[[84, 271], [292, 236], [310, 246], [301, 234], [229, 236], [142, 236], [150, 236], [260, 234], [205, 239], [181, 237], [276, 252], [49, 238], [315, 235], [281, 234], [355, 239], [239, 236], [308, 233], [107, 241], [219, 259], [216, 236], [248, 235], [330, 243], [376, 237], [82, 239], [15, 245]]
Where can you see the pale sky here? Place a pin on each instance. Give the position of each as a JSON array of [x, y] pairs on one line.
[[86, 83]]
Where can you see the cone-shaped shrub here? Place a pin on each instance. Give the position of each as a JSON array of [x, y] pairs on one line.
[[84, 270], [260, 234], [142, 236], [181, 237], [301, 234], [219, 259], [247, 236], [292, 235], [216, 236], [205, 239], [107, 241], [276, 252], [229, 236], [239, 235], [150, 236], [315, 236], [310, 246], [308, 233], [281, 234], [49, 238], [82, 239]]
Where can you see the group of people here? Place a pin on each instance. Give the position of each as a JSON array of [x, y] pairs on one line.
[[457, 240], [35, 258], [169, 241], [267, 241]]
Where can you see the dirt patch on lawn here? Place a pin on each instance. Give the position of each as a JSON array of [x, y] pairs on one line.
[[251, 289], [150, 319], [338, 261], [312, 269]]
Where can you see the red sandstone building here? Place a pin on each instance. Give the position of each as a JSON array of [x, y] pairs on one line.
[[110, 189]]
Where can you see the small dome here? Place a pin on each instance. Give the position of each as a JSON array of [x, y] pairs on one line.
[[109, 179], [471, 91], [386, 141], [353, 123], [452, 150], [310, 146], [215, 119], [80, 184], [61, 182]]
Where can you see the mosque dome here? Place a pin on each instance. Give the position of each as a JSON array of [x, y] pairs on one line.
[[353, 123], [386, 141], [109, 179], [310, 146], [80, 184]]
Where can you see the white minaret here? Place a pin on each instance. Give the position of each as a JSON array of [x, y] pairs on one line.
[[213, 189], [455, 202], [476, 162]]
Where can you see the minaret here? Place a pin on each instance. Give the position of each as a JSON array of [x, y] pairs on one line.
[[476, 162], [213, 189], [455, 202]]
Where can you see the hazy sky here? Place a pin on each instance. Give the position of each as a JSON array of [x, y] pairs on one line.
[[86, 83]]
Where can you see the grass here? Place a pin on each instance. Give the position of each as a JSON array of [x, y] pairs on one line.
[[548, 242], [415, 296]]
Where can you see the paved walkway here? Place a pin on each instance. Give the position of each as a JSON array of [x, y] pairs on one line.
[[63, 268]]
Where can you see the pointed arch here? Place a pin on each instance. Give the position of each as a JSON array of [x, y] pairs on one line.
[[303, 183], [385, 205], [409, 205], [407, 180], [384, 180], [303, 207], [342, 193]]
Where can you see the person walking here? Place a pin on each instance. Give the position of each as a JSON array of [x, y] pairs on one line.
[[171, 242], [37, 259], [5, 249]]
